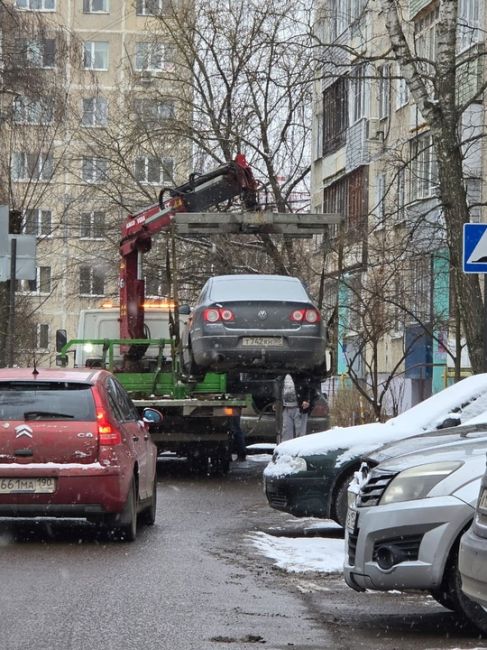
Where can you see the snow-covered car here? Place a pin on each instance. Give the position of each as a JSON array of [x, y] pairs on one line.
[[404, 528], [473, 553], [309, 476]]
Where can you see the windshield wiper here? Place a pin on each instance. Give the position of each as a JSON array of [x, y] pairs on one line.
[[40, 415]]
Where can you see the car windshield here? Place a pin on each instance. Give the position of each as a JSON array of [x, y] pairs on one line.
[[258, 288], [46, 400]]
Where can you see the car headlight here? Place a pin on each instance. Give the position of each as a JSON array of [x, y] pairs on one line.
[[287, 464], [417, 482]]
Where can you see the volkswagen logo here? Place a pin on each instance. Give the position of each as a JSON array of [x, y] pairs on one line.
[[23, 430], [262, 314]]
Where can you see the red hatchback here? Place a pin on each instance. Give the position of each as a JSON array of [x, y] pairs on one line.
[[72, 444]]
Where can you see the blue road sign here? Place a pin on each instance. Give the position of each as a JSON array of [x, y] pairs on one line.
[[475, 248]]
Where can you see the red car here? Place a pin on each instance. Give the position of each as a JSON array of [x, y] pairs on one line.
[[72, 444]]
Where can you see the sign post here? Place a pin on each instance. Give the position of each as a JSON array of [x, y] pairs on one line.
[[475, 261]]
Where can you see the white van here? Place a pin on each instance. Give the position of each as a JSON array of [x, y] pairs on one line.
[[103, 323]]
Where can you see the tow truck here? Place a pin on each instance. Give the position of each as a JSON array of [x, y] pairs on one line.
[[195, 421]]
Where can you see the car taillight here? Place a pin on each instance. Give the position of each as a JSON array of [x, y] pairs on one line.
[[214, 314], [108, 435], [305, 315]]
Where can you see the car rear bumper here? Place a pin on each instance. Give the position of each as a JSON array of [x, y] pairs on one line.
[[80, 491], [227, 352], [299, 495], [419, 533], [472, 562]]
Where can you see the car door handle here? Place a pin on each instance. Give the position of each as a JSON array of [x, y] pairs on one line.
[[135, 438]]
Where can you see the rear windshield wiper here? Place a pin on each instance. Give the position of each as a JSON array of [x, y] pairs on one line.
[[40, 415]]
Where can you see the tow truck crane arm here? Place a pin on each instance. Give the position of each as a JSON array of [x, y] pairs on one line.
[[199, 193]]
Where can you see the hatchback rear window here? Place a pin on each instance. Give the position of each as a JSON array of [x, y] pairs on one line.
[[259, 289], [22, 400]]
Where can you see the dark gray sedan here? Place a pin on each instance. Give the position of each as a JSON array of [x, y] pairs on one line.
[[260, 323]]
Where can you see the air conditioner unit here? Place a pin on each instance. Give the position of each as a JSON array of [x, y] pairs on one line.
[[375, 129]]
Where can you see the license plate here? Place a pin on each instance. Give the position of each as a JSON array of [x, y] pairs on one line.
[[263, 341], [483, 500], [351, 520], [45, 485]]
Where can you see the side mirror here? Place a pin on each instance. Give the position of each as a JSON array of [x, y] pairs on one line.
[[152, 416], [61, 339], [184, 310]]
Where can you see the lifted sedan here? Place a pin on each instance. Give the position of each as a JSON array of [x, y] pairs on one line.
[[260, 323]]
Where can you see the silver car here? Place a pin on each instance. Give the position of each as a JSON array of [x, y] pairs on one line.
[[472, 560], [404, 528]]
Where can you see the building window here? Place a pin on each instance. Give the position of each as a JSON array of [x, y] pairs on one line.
[[31, 166], [92, 225], [42, 283], [150, 57], [42, 336], [91, 281], [425, 36], [36, 5], [384, 98], [95, 55], [424, 173], [95, 6], [95, 111], [152, 110], [359, 97], [33, 111], [151, 7], [154, 170], [402, 91], [380, 195], [348, 197], [94, 170], [420, 288], [468, 32], [335, 115], [401, 194], [40, 54], [37, 222]]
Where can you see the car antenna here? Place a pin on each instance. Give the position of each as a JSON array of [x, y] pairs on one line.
[[35, 372]]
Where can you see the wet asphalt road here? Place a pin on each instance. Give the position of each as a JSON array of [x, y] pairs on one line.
[[193, 582]]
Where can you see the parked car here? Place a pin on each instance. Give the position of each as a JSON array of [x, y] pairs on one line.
[[309, 476], [73, 445], [473, 555], [254, 323], [404, 528]]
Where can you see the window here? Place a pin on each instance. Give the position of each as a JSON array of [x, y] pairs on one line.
[[151, 7], [468, 24], [339, 17], [359, 106], [335, 115], [95, 55], [42, 283], [36, 5], [92, 225], [95, 6], [420, 287], [37, 222], [40, 54], [31, 166], [402, 91], [401, 194], [33, 111], [425, 34], [384, 100], [95, 111], [424, 174], [42, 336], [380, 195], [154, 170], [150, 110], [94, 170], [91, 281], [348, 197], [150, 56]]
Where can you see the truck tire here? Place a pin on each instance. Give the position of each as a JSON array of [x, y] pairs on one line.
[[220, 463], [198, 463]]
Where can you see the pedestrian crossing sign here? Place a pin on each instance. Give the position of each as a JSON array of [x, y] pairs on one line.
[[475, 248]]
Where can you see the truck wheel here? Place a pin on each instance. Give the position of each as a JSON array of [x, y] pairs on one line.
[[220, 464], [198, 463], [148, 515]]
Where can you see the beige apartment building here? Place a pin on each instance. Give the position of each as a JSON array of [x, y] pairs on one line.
[[97, 146], [388, 285]]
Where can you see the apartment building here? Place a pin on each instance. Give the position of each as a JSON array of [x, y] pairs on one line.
[[388, 284], [93, 147]]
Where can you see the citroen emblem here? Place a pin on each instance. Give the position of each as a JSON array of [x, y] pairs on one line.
[[262, 314], [23, 430]]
